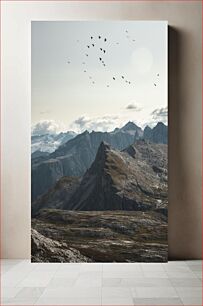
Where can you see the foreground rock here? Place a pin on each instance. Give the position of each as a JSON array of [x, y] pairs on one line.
[[102, 236], [48, 250]]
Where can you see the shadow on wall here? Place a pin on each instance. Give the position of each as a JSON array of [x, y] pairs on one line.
[[183, 215]]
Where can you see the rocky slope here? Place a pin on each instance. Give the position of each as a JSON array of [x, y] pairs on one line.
[[104, 236], [48, 250], [135, 179]]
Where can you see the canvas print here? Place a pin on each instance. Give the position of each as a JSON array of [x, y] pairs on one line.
[[99, 165]]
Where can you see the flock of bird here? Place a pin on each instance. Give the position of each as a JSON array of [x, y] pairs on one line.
[[93, 43]]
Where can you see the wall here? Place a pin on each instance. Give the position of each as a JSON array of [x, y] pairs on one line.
[[184, 112]]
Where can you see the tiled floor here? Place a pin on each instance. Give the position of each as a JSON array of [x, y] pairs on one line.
[[174, 283]]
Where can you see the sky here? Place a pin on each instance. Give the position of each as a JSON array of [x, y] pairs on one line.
[[73, 90]]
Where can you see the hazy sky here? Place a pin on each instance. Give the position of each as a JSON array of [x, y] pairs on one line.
[[64, 97]]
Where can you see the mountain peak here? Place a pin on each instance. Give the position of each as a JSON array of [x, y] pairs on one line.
[[147, 128], [104, 147], [129, 126], [85, 133], [119, 181], [160, 124]]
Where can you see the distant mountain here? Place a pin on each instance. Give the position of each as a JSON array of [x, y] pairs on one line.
[[50, 142], [128, 180], [74, 157], [159, 134], [132, 129]]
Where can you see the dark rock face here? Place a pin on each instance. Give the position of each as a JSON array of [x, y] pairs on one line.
[[57, 195], [100, 236], [159, 134], [147, 133], [135, 179], [44, 176], [75, 157], [48, 250]]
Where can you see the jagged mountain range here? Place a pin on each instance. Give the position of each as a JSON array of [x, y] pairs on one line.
[[132, 179], [50, 142], [75, 156]]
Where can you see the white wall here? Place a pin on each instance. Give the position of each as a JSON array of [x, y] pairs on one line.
[[184, 112]]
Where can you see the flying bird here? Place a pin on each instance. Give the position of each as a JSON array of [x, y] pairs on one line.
[[104, 51], [91, 37], [99, 37], [92, 45], [85, 70], [154, 84], [100, 58], [101, 49], [86, 54], [122, 77], [157, 74], [114, 78], [88, 46], [105, 39]]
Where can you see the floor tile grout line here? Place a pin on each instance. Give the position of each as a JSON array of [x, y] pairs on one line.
[[16, 286], [102, 277], [46, 286]]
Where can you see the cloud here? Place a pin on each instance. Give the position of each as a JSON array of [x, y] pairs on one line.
[[46, 127], [160, 114], [104, 123], [133, 107]]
